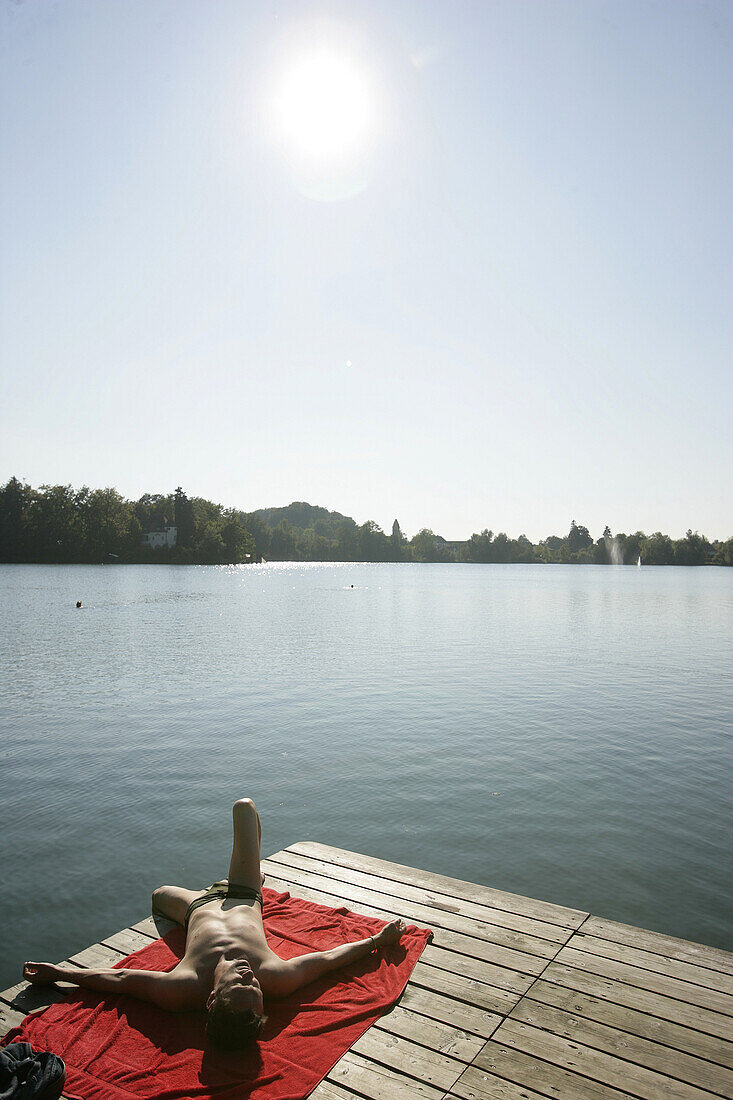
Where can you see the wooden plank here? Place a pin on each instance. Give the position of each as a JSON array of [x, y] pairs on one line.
[[476, 968], [529, 954], [595, 1064], [685, 950], [536, 1074], [468, 1018], [327, 1090], [478, 948], [436, 1035], [514, 959], [409, 1058], [460, 988], [481, 910], [647, 979], [660, 964], [97, 957], [423, 901], [478, 1084], [456, 986], [416, 913], [674, 1035], [155, 927], [452, 887], [496, 950], [127, 940], [24, 997], [9, 1018], [633, 1048], [701, 1019], [376, 1082]]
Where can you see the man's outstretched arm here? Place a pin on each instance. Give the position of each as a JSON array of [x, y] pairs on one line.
[[296, 973], [168, 991]]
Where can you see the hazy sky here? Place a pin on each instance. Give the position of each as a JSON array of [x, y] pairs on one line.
[[463, 264]]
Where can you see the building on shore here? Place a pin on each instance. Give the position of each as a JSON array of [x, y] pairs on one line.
[[153, 540]]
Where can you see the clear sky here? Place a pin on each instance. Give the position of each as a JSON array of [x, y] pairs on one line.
[[463, 264]]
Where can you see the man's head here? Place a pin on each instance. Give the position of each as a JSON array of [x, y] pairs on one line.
[[231, 1029], [235, 1005]]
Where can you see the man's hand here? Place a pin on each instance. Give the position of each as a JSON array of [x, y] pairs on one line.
[[292, 974], [40, 973], [390, 934], [174, 991]]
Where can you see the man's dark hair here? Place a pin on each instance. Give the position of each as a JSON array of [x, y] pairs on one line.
[[227, 1029]]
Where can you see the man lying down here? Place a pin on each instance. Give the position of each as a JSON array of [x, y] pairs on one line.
[[227, 968]]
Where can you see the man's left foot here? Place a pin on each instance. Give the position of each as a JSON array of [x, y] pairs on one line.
[[391, 933]]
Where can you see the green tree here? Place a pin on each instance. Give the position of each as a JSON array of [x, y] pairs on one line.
[[693, 549], [373, 543], [525, 550], [183, 518], [211, 548], [238, 542], [282, 542], [347, 541], [501, 549], [578, 538], [154, 512], [658, 549], [554, 549], [398, 541], [110, 525], [57, 524], [478, 548], [424, 546], [723, 553], [15, 498], [260, 533]]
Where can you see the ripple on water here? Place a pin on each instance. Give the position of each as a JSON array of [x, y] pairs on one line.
[[561, 733]]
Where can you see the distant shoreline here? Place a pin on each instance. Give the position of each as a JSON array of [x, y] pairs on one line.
[[331, 561], [58, 525]]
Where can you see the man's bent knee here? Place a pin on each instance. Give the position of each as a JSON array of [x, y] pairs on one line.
[[173, 902], [244, 805], [159, 897]]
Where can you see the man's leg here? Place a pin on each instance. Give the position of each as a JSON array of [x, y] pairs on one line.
[[244, 867], [173, 901]]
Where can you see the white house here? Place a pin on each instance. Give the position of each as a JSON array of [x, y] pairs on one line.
[[167, 537]]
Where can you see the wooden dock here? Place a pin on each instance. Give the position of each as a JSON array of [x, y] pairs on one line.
[[515, 999]]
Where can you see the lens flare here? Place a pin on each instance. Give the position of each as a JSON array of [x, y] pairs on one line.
[[324, 108]]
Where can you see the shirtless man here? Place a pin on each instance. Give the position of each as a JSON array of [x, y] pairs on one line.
[[227, 968]]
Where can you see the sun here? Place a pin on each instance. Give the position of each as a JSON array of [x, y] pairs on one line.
[[324, 107]]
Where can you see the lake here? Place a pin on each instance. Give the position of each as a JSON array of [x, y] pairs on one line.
[[562, 732]]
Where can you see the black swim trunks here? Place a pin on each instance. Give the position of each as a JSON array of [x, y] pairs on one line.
[[220, 891]]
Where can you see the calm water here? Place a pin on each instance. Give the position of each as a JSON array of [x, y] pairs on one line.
[[561, 732]]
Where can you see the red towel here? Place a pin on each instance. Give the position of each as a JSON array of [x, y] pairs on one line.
[[119, 1048]]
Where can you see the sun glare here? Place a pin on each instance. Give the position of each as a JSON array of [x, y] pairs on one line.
[[324, 107]]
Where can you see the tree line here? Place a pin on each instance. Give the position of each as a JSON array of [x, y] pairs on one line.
[[56, 523]]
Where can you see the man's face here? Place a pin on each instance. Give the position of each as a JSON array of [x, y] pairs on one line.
[[236, 980], [245, 993]]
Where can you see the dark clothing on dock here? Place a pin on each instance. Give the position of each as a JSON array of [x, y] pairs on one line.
[[28, 1074]]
